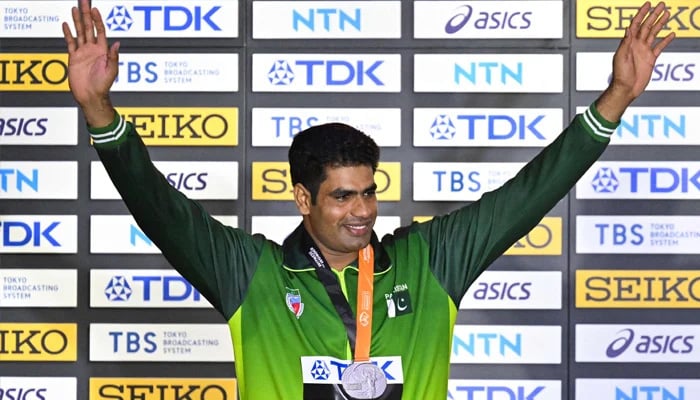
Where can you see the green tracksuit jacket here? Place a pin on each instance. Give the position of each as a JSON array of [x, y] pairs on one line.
[[289, 341]]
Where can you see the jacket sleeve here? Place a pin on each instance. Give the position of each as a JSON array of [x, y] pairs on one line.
[[217, 260], [465, 242]]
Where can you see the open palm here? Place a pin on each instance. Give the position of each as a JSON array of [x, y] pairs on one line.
[[636, 55], [92, 65]]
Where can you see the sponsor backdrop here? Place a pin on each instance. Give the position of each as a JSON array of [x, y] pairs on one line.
[[459, 95]]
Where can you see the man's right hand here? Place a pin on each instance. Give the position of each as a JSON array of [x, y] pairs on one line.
[[92, 64]]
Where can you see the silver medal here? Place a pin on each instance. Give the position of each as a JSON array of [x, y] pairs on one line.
[[364, 381]]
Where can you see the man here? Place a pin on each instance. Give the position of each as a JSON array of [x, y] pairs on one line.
[[334, 312]]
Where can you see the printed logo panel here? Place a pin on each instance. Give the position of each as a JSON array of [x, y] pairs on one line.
[[161, 342], [486, 127], [143, 288], [38, 126], [487, 19], [277, 228], [38, 288], [326, 19], [672, 72], [637, 234], [34, 19], [545, 239], [39, 234], [184, 126], [488, 73], [186, 18], [514, 290], [163, 388], [657, 126], [438, 181], [640, 180], [493, 389], [38, 342], [33, 72], [199, 180], [119, 234], [506, 344], [177, 73], [329, 370], [631, 389], [326, 72], [596, 19], [272, 180], [137, 72], [38, 388], [636, 343], [39, 180], [637, 289], [276, 127]]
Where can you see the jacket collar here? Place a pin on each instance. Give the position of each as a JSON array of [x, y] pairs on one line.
[[295, 252]]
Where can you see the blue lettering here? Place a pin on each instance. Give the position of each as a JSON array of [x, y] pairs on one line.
[[134, 233], [21, 179], [649, 393], [483, 342], [472, 74], [655, 124], [343, 18]]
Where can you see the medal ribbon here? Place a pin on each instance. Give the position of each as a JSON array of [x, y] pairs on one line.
[[359, 329], [365, 291]]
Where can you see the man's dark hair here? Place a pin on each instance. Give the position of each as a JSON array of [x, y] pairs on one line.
[[328, 145]]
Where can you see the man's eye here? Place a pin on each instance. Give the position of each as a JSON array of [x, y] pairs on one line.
[[342, 197], [370, 193]]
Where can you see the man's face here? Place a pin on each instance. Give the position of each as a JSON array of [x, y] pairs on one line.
[[341, 221]]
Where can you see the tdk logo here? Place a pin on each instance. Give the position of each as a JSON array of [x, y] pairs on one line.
[[327, 72], [320, 370], [118, 289], [442, 128], [468, 392], [281, 73], [649, 344], [605, 181], [34, 234], [490, 126], [163, 18], [488, 20], [119, 19]]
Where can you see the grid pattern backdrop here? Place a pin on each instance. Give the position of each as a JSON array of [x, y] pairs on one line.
[[599, 301]]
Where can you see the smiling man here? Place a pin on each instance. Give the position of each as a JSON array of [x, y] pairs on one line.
[[333, 312]]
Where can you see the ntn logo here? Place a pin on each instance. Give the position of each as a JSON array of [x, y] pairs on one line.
[[488, 72], [652, 125], [21, 179], [490, 343], [650, 392], [327, 17]]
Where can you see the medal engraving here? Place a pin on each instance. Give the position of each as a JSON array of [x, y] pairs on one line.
[[364, 381]]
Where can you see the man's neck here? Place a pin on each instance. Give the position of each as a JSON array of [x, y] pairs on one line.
[[340, 261]]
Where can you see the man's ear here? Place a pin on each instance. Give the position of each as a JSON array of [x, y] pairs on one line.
[[302, 198]]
